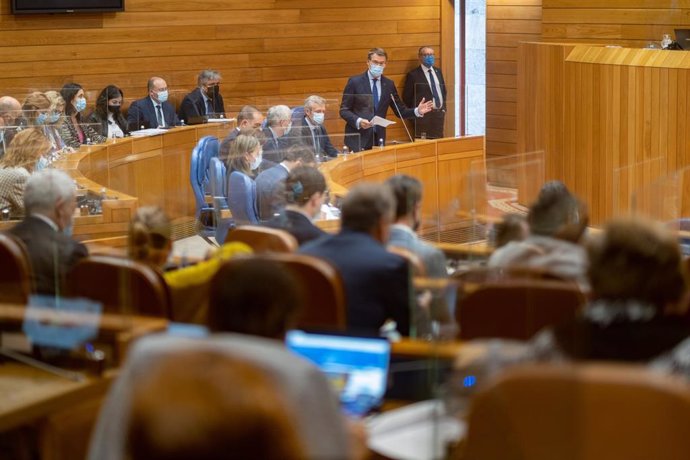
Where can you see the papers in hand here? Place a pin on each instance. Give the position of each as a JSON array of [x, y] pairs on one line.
[[378, 121]]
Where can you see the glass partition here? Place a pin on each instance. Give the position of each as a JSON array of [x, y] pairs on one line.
[[638, 176], [433, 124]]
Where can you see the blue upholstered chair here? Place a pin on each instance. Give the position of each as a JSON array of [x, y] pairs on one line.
[[206, 149], [297, 115], [218, 187], [242, 199]]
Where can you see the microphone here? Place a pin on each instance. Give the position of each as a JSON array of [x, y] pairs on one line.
[[401, 118]]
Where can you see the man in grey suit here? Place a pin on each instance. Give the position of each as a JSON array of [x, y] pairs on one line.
[[408, 197]]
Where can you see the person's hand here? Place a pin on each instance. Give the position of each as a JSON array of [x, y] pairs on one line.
[[365, 124], [425, 107]]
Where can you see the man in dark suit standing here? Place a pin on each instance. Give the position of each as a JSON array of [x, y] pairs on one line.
[[154, 110], [311, 130], [370, 94], [377, 282], [426, 83], [205, 101], [50, 201]]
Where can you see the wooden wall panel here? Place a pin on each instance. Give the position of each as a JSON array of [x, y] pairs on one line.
[[630, 23], [267, 50], [508, 22]]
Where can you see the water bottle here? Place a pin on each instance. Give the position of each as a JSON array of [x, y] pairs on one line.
[[346, 150], [666, 41], [381, 143]]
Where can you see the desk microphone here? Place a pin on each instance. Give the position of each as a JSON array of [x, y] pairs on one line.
[[401, 118]]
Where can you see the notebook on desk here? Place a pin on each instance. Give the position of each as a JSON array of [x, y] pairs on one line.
[[357, 367]]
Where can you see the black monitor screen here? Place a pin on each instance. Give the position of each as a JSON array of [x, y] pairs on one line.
[[66, 6]]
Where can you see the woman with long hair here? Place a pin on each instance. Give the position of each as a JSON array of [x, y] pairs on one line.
[[107, 119], [73, 131], [245, 157]]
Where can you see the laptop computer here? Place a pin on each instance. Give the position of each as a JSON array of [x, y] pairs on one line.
[[357, 367], [683, 38]]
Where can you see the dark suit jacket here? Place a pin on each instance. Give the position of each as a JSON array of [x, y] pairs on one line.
[[142, 113], [358, 102], [303, 131], [377, 283], [274, 149], [298, 225], [193, 108], [224, 151], [270, 191], [51, 254], [416, 88]]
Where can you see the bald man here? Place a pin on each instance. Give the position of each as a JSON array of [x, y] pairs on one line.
[[153, 111], [10, 111]]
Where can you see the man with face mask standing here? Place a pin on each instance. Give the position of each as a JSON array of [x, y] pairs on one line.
[[153, 111], [370, 94], [426, 83], [50, 201], [311, 130], [205, 101]]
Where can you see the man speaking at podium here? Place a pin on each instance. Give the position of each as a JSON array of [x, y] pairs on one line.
[[368, 95]]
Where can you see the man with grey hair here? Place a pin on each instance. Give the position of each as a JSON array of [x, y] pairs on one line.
[[154, 110], [377, 282], [205, 101], [10, 111], [312, 130], [279, 124], [50, 201]]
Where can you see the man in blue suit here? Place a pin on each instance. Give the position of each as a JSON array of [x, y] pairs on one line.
[[377, 282], [310, 129], [370, 94], [154, 110]]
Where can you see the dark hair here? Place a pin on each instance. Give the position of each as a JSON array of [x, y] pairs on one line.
[[510, 228], [378, 52], [300, 152], [253, 296], [554, 208], [302, 183], [68, 91], [636, 259], [365, 205], [109, 92], [247, 113], [407, 191], [208, 405]]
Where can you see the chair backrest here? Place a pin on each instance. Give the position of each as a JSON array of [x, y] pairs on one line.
[[263, 239], [121, 285], [580, 412], [206, 148], [241, 198], [323, 291], [297, 114], [218, 181], [413, 260], [517, 309], [15, 275]]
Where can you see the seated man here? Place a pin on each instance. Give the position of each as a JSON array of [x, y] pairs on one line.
[[311, 129], [408, 196], [304, 193], [205, 101], [557, 221], [270, 184], [50, 201], [154, 110], [279, 123], [248, 322], [377, 284], [249, 117]]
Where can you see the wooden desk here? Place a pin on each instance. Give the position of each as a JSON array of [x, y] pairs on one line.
[[451, 171], [412, 348]]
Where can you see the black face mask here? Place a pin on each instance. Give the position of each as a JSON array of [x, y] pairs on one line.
[[212, 92], [114, 109]]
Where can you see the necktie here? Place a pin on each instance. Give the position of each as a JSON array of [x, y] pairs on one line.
[[159, 114], [315, 135], [375, 92], [434, 91], [209, 107]]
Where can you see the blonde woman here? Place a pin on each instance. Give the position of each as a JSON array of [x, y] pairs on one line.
[[17, 164], [56, 116], [245, 157]]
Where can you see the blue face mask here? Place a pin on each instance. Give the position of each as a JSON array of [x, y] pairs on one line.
[[80, 105], [69, 229], [376, 70], [429, 60], [319, 117], [41, 119], [163, 96], [41, 164], [54, 117]]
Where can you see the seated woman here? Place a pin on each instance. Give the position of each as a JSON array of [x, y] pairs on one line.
[[305, 192], [55, 118], [72, 131], [149, 241], [106, 118], [245, 156], [17, 164], [35, 109]]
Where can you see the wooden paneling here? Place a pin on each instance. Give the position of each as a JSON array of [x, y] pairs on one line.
[[611, 122], [269, 51], [509, 22]]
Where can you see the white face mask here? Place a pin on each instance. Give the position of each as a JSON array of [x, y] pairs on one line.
[[289, 127], [319, 117], [257, 161]]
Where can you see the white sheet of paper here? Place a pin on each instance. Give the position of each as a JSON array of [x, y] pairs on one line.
[[147, 132], [220, 120], [378, 121]]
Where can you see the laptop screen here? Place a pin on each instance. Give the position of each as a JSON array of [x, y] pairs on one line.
[[356, 366]]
